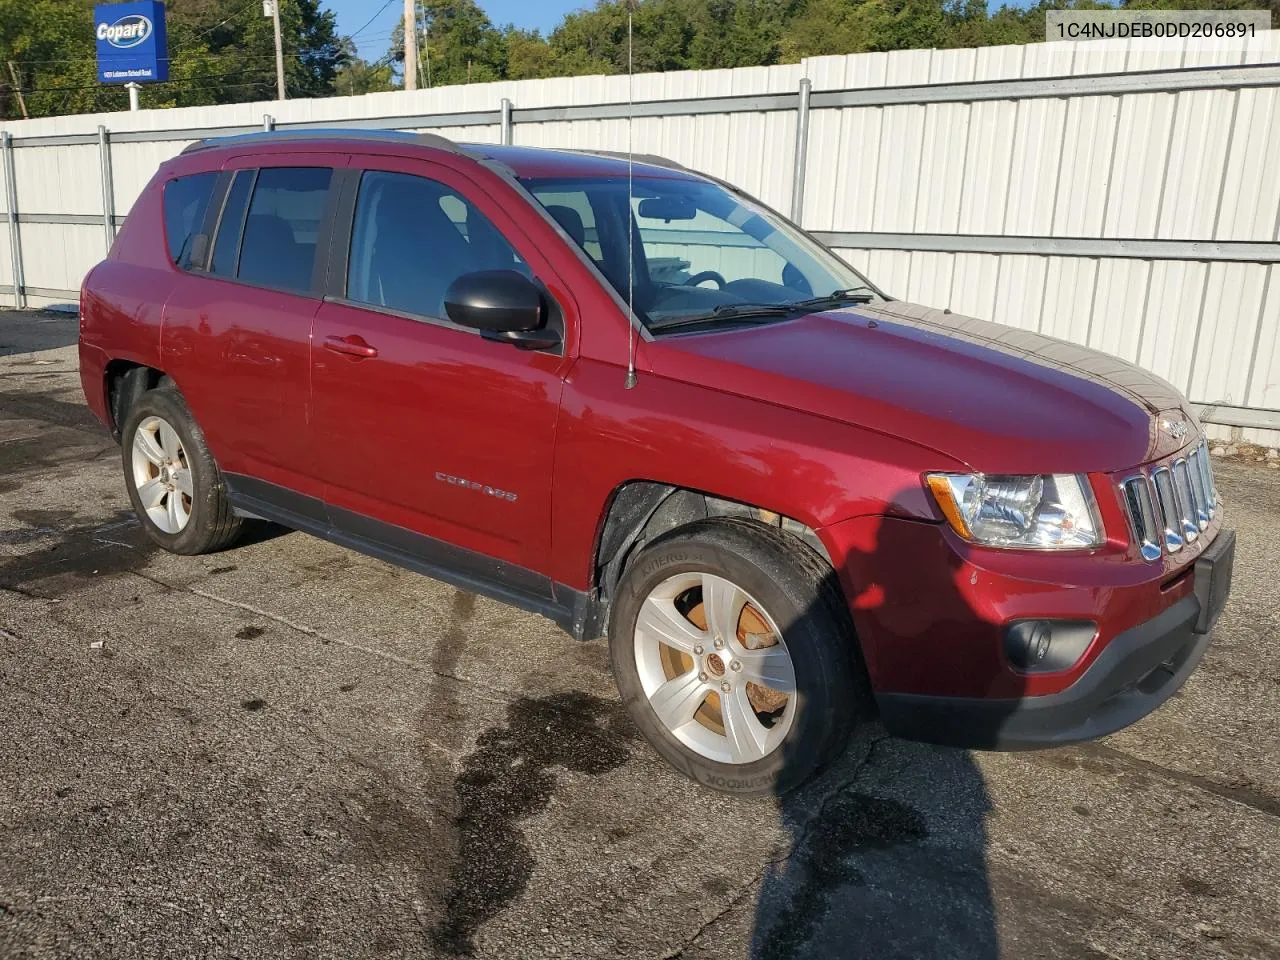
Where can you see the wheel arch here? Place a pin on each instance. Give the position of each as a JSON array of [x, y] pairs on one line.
[[123, 382], [639, 511]]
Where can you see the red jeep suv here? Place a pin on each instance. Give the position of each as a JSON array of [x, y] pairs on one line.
[[631, 398]]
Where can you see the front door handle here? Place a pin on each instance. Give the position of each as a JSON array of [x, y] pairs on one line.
[[350, 346]]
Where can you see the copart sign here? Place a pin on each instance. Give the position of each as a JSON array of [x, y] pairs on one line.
[[131, 41]]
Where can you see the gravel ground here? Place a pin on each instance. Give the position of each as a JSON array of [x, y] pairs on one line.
[[290, 750]]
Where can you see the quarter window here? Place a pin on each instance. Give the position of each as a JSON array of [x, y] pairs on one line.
[[186, 200], [278, 248], [412, 238]]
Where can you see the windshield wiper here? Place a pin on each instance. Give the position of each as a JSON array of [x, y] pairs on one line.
[[835, 298], [767, 311], [729, 312]]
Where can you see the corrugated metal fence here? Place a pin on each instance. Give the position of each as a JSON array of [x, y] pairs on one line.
[[1125, 195]]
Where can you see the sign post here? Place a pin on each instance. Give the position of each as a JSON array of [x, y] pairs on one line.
[[132, 45]]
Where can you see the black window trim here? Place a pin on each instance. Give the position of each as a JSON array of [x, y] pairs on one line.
[[316, 288], [231, 176], [343, 231]]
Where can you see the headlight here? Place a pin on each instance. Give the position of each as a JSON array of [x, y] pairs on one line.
[[1051, 511]]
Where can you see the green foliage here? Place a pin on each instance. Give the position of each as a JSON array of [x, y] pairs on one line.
[[221, 51], [710, 34], [358, 76]]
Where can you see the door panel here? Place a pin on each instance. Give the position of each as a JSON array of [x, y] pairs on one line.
[[241, 353], [442, 432], [423, 424]]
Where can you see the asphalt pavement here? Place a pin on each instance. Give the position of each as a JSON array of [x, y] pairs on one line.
[[291, 750]]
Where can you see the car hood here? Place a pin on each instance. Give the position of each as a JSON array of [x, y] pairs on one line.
[[1000, 399]]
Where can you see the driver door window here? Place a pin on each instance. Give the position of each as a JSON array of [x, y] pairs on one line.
[[413, 237]]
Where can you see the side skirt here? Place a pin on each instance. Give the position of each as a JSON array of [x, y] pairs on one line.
[[572, 610]]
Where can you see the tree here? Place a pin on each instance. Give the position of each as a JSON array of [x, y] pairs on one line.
[[457, 41], [358, 76]]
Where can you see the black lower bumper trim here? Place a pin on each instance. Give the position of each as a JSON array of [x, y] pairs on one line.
[[1136, 672]]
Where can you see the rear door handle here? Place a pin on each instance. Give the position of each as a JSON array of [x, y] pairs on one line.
[[350, 346]]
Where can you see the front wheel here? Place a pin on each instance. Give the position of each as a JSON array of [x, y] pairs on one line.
[[735, 656]]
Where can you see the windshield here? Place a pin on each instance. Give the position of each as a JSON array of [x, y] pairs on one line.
[[699, 250]]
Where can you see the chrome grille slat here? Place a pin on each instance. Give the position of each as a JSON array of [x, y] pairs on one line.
[[1197, 487], [1186, 501], [1169, 504], [1167, 501], [1142, 518], [1206, 473]]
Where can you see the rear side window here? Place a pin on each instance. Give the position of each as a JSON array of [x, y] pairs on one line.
[[186, 200], [226, 248], [412, 238], [278, 247]]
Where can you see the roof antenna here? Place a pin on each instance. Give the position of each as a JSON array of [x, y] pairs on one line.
[[631, 228]]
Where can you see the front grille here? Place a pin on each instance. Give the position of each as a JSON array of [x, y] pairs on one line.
[[1169, 504]]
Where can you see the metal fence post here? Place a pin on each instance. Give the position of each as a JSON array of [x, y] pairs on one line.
[[108, 186], [15, 240], [802, 151], [268, 122], [506, 122]]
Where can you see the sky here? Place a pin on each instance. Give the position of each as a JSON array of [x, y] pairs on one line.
[[373, 40]]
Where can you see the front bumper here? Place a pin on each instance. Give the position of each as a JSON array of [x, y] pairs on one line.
[[1133, 675]]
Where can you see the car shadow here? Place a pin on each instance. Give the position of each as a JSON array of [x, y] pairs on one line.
[[887, 850], [30, 331]]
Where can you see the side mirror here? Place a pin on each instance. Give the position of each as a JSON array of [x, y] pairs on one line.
[[502, 305]]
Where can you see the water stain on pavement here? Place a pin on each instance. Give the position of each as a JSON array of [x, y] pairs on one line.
[[445, 715], [509, 776], [849, 824]]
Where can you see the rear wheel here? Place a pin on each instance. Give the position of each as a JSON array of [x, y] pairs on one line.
[[735, 657], [173, 482]]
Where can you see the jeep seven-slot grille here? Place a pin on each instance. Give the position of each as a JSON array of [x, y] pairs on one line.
[[1170, 503]]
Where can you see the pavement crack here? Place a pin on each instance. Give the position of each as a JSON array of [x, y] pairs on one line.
[[802, 838], [1268, 806], [676, 952], [329, 638]]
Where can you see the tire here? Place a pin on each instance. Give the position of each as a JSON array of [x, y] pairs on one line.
[[198, 492], [803, 613]]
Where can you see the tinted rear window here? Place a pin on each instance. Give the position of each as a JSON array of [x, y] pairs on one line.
[[185, 201], [227, 245], [283, 226]]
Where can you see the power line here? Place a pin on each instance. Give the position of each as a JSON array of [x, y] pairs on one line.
[[204, 33], [381, 10], [157, 83]]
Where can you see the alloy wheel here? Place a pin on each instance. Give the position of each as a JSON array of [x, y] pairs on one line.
[[715, 668], [162, 475]]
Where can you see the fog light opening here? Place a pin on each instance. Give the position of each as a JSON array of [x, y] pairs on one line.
[[1027, 643], [1047, 646]]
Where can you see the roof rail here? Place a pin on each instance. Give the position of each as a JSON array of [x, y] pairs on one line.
[[651, 159], [325, 133]]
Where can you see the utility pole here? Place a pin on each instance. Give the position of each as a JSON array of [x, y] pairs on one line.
[[17, 89], [275, 23], [410, 45]]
